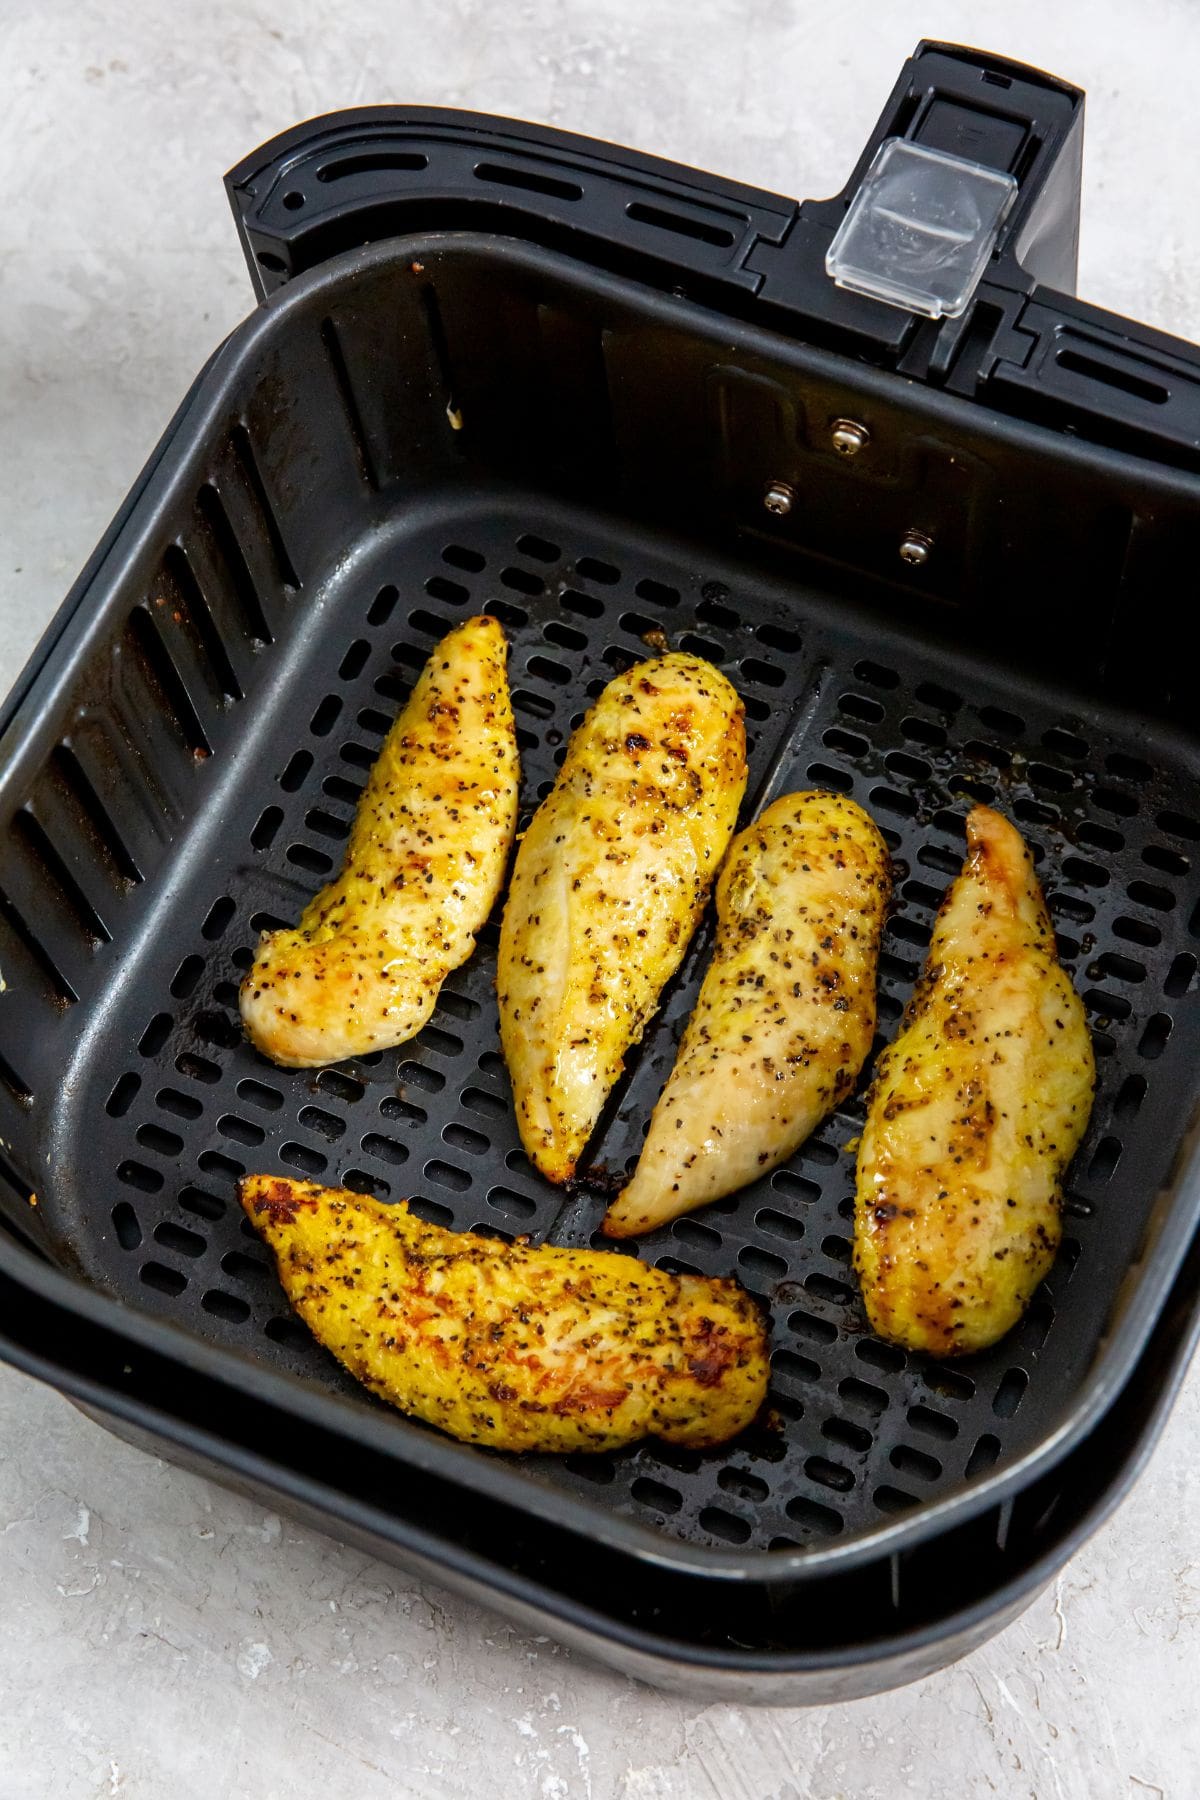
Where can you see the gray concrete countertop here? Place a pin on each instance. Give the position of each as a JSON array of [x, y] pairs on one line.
[[163, 1640]]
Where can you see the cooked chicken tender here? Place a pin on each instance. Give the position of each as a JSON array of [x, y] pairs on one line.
[[516, 1347], [609, 883], [423, 868], [786, 1013], [976, 1110]]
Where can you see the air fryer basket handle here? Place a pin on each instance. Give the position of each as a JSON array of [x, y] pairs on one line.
[[1007, 117], [350, 177], [1022, 344]]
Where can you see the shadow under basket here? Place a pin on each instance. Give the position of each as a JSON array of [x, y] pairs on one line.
[[458, 421]]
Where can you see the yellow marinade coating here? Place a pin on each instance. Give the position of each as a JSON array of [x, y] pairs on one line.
[[516, 1347], [423, 868], [785, 1017], [609, 883], [975, 1112]]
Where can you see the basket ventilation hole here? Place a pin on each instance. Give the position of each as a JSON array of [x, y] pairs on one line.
[[181, 1106], [539, 548], [823, 775], [814, 1329], [460, 557], [725, 1525], [1181, 976], [180, 1239], [932, 1423], [225, 1306], [290, 1332], [361, 1183], [240, 1131], [1010, 1393], [453, 593], [593, 569], [820, 1520], [201, 1204], [186, 976], [766, 674], [156, 1034], [122, 1096], [137, 1175], [166, 1281], [712, 611], [941, 699], [657, 592], [849, 1436], [1154, 1037], [125, 1224], [198, 1068], [984, 1455], [880, 1356], [893, 1500], [599, 1469], [795, 1368], [510, 1204], [300, 1156], [303, 856], [846, 741], [915, 1462], [325, 716], [656, 1495]]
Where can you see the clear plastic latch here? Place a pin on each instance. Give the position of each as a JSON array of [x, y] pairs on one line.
[[920, 229]]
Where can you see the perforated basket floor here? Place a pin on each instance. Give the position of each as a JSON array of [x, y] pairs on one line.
[[165, 1105]]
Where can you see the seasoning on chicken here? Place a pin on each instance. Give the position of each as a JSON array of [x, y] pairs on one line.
[[976, 1110], [786, 1013], [609, 883], [423, 869], [516, 1347]]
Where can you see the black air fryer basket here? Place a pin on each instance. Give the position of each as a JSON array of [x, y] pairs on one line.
[[602, 398]]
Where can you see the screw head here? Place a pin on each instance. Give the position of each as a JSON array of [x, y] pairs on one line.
[[849, 437], [915, 547], [778, 498]]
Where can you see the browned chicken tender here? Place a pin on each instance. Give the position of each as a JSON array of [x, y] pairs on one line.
[[511, 1345], [975, 1112], [423, 868]]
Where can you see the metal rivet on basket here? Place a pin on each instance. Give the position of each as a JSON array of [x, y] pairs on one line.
[[778, 498], [915, 547], [849, 437]]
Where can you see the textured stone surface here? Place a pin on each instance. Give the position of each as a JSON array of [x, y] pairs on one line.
[[160, 1637]]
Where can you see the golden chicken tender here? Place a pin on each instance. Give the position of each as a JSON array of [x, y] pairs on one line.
[[510, 1345], [608, 886], [785, 1017], [975, 1112], [423, 868]]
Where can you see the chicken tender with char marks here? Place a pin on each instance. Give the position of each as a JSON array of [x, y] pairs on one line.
[[512, 1345]]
